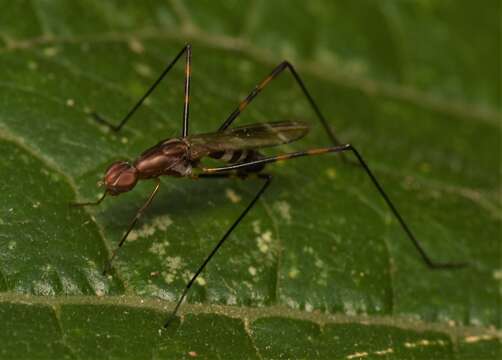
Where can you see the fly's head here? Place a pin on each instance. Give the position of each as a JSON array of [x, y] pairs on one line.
[[120, 177]]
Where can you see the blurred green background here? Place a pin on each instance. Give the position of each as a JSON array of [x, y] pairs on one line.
[[319, 269]]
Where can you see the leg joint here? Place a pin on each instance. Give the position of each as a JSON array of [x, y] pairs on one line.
[[285, 63]]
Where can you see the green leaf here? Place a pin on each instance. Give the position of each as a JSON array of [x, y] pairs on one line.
[[319, 268]]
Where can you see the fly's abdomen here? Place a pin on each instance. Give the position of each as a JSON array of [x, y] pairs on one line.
[[236, 156]]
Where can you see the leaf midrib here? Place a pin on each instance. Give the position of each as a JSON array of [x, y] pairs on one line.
[[252, 314]]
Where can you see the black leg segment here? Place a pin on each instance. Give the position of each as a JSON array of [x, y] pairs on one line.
[[90, 203], [273, 74], [341, 149], [267, 178], [133, 222], [188, 50]]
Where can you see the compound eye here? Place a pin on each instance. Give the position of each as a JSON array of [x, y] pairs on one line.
[[126, 179], [120, 177]]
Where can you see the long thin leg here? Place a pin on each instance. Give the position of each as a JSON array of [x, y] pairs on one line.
[[131, 226], [340, 149], [186, 102], [275, 72], [267, 179], [186, 106], [90, 203]]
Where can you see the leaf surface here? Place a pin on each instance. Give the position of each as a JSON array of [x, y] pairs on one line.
[[319, 268]]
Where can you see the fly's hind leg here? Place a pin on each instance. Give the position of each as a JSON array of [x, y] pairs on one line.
[[264, 177], [343, 149]]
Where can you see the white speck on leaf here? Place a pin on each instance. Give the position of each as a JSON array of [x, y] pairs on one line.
[[267, 236], [231, 300], [159, 248], [357, 355], [159, 223], [50, 51], [331, 173], [136, 46], [308, 250], [476, 338], [264, 241], [497, 274], [384, 352], [475, 321], [99, 290], [256, 226], [168, 278], [292, 303], [173, 263], [293, 273], [32, 65], [252, 270], [201, 281], [349, 309], [69, 287], [43, 288], [284, 210], [232, 196], [143, 69], [47, 268], [95, 279], [424, 343]]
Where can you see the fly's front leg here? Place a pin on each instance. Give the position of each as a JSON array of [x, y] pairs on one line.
[[285, 65], [131, 226], [89, 203]]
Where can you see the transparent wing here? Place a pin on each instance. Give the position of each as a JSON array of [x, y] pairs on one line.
[[247, 137]]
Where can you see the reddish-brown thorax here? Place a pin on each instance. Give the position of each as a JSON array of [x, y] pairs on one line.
[[170, 157]]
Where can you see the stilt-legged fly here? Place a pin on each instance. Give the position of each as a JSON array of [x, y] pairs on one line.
[[238, 148]]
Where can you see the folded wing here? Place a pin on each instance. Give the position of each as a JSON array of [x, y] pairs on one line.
[[247, 137]]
